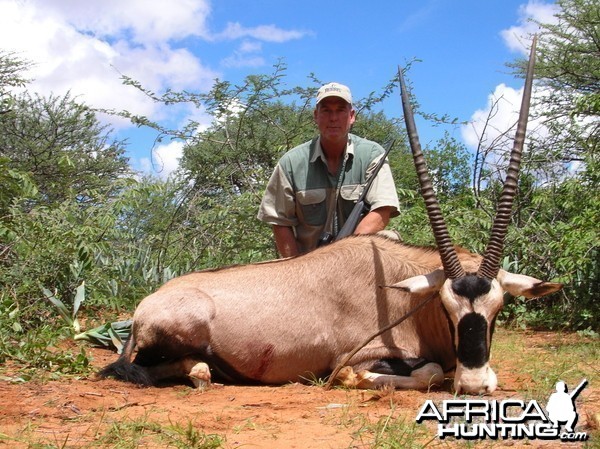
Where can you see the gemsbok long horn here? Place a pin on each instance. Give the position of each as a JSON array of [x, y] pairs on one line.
[[452, 266], [491, 260]]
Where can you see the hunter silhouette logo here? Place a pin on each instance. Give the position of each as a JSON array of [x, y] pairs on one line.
[[472, 419], [561, 405]]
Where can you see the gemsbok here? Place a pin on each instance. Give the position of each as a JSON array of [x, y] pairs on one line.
[[294, 319]]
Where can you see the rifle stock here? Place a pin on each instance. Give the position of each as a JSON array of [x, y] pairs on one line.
[[353, 220], [360, 207]]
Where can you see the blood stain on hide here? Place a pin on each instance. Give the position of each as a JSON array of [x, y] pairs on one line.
[[266, 355]]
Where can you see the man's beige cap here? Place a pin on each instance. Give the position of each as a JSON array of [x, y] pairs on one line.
[[334, 90]]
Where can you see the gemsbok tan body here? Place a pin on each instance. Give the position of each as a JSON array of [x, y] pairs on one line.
[[296, 319]]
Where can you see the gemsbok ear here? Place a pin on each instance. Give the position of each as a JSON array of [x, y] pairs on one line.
[[522, 285], [422, 284]]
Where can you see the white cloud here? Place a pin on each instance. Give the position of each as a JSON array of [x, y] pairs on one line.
[[493, 126], [247, 55], [492, 121], [266, 33], [57, 37], [165, 159], [518, 37], [418, 18], [250, 47], [86, 46], [141, 21]]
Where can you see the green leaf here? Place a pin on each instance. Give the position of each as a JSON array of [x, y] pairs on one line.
[[60, 306], [108, 335], [79, 298], [116, 340]]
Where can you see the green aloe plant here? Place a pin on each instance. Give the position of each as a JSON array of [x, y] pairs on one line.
[[108, 335], [69, 317]]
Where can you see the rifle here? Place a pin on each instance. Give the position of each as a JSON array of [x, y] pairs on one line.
[[360, 207]]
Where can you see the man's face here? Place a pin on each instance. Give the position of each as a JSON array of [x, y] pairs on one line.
[[334, 118]]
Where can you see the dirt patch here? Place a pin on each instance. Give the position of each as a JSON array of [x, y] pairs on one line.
[[90, 413]]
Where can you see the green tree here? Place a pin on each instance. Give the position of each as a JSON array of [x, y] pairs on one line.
[[60, 175], [14, 182], [450, 166], [11, 70], [568, 70], [555, 233], [63, 147]]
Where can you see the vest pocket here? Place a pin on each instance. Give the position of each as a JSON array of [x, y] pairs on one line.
[[350, 195], [312, 205], [351, 192]]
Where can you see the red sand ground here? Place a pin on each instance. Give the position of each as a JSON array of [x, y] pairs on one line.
[[74, 413]]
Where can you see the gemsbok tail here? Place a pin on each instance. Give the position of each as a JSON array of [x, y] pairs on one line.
[[124, 369]]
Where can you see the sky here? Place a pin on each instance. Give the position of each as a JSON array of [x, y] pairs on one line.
[[463, 46]]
